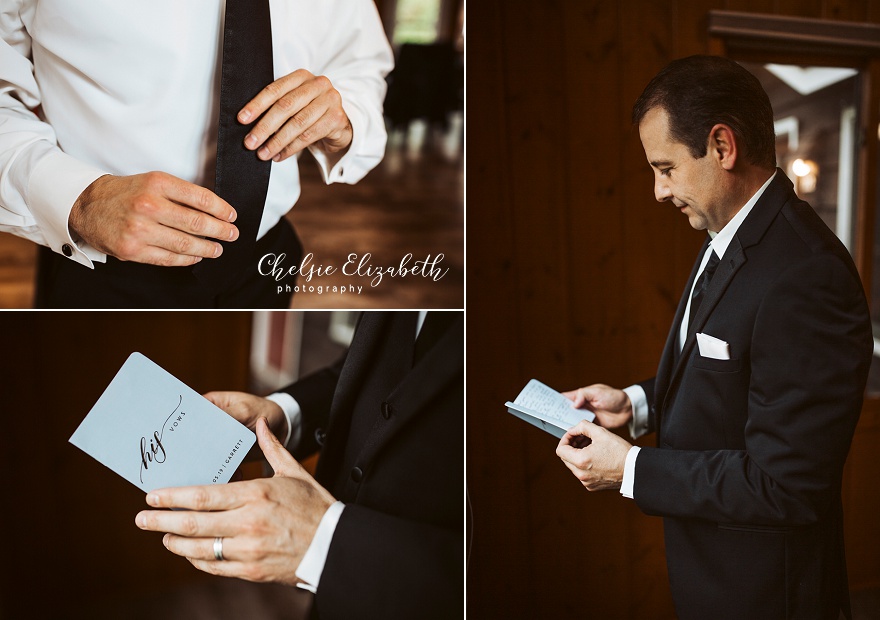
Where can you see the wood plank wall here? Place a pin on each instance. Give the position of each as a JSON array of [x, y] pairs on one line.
[[574, 272]]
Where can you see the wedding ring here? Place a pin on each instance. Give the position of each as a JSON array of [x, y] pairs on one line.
[[218, 548]]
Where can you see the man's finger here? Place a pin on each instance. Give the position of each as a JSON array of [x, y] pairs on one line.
[[196, 224], [201, 548], [323, 128], [270, 94], [152, 255], [198, 198], [588, 429], [302, 123], [571, 455], [219, 399], [278, 457], [184, 244], [205, 497], [188, 523], [242, 570], [288, 106]]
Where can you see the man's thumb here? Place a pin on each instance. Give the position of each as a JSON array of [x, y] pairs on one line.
[[282, 463]]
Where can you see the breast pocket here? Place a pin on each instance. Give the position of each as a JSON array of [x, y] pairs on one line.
[[708, 363]]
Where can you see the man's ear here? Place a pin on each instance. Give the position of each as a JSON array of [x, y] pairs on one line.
[[722, 146]]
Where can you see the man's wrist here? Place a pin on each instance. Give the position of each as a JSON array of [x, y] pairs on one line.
[[312, 564]]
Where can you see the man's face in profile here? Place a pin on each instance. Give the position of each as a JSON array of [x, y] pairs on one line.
[[692, 185]]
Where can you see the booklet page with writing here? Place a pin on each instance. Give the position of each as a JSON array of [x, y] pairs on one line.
[[547, 409]]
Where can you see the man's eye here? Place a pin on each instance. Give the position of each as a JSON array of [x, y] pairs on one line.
[[666, 171]]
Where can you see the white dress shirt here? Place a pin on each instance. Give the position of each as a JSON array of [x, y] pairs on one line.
[[312, 564], [97, 87], [638, 425]]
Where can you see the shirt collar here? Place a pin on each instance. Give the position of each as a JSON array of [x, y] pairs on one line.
[[722, 239]]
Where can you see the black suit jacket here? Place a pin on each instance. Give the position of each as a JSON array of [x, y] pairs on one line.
[[397, 551], [747, 472]]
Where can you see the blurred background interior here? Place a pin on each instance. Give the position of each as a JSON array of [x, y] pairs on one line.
[[579, 280], [71, 547], [413, 201]]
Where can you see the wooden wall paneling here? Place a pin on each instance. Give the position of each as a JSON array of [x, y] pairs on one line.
[[584, 534], [846, 10], [652, 284], [861, 502], [74, 520], [749, 6], [539, 174], [498, 567], [798, 8], [646, 35], [690, 25], [595, 230], [537, 104]]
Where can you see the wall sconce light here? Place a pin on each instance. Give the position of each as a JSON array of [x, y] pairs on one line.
[[806, 173]]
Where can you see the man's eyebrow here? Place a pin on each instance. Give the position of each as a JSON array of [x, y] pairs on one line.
[[661, 163]]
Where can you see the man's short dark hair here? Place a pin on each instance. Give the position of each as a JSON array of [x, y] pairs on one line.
[[699, 92]]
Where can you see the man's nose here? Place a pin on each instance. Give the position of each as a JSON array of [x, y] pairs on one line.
[[661, 190]]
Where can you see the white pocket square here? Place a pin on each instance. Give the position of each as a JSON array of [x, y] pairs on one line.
[[713, 347]]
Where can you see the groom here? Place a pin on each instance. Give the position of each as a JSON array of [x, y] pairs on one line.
[[760, 383]]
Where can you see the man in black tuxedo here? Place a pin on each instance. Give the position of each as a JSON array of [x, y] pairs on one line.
[[760, 383], [379, 531]]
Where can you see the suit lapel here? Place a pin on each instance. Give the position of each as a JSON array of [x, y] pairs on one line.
[[371, 329], [439, 367], [669, 362], [734, 258]]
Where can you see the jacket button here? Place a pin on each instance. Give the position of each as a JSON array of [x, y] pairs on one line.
[[320, 436], [357, 474], [386, 410], [67, 250]]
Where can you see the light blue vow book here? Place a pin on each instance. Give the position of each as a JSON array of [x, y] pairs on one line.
[[154, 431]]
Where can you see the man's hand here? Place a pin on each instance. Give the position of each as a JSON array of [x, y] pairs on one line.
[[248, 409], [300, 109], [611, 406], [266, 524], [152, 218], [594, 455]]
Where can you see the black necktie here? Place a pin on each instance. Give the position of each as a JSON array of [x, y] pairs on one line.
[[241, 179], [702, 286]]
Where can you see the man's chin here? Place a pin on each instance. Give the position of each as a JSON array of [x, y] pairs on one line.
[[696, 222]]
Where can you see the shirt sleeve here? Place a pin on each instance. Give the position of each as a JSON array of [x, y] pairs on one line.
[[38, 182], [359, 58], [293, 415], [629, 472], [639, 424], [312, 564]]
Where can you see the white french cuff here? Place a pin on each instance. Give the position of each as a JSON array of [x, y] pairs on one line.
[[293, 415], [54, 185], [638, 425], [312, 564], [629, 472]]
